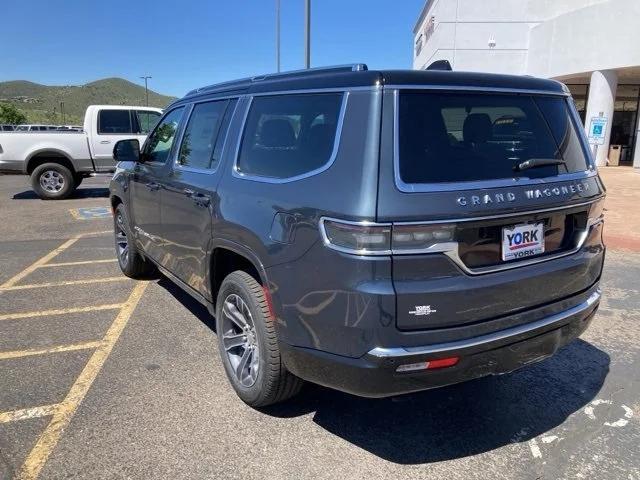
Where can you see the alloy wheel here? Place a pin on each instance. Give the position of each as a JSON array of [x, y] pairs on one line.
[[122, 242], [239, 340]]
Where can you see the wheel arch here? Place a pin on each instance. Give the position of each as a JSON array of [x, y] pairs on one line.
[[226, 257], [48, 155]]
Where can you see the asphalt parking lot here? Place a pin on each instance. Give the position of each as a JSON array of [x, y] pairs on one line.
[[104, 377]]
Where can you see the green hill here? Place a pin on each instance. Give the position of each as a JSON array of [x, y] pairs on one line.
[[41, 103]]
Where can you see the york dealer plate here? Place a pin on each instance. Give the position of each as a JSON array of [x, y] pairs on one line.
[[521, 241]]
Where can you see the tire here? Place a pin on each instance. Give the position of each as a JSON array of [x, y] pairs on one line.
[[131, 262], [265, 380], [52, 181]]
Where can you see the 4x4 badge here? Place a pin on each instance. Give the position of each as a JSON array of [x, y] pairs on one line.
[[422, 310]]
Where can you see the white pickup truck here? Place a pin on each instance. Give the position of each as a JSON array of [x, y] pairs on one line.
[[57, 161]]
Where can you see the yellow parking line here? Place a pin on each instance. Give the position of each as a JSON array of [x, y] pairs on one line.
[[48, 257], [75, 213], [62, 284], [61, 311], [27, 413], [83, 262], [61, 417], [43, 351]]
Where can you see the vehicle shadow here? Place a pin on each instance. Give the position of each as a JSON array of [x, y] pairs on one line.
[[460, 420], [90, 192], [195, 307], [450, 422]]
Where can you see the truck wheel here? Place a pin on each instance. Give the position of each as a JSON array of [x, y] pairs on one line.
[[52, 181], [131, 263], [248, 344]]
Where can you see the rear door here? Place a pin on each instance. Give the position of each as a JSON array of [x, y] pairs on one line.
[[148, 179], [466, 210], [190, 193], [118, 124], [112, 125]]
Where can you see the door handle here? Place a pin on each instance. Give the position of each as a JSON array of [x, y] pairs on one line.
[[152, 186], [105, 142], [200, 199]]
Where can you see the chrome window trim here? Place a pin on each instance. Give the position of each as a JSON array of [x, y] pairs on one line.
[[488, 339], [262, 179], [207, 171], [479, 184]]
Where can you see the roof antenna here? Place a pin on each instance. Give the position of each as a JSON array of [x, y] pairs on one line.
[[440, 65]]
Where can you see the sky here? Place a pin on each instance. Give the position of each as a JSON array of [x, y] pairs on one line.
[[187, 44]]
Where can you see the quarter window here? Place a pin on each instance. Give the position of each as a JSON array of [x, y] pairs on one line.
[[158, 146], [289, 135], [201, 134], [113, 122]]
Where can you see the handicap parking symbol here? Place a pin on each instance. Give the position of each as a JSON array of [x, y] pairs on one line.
[[90, 213]]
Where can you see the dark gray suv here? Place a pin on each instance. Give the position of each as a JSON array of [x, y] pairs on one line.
[[377, 232]]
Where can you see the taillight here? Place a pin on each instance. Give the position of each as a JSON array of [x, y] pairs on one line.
[[368, 238], [359, 238], [421, 238]]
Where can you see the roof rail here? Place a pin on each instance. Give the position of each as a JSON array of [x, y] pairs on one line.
[[245, 82], [356, 67], [440, 65]]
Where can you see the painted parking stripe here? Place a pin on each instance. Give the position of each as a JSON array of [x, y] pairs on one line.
[[38, 456], [47, 258], [44, 351], [83, 262], [61, 311], [27, 413], [65, 283]]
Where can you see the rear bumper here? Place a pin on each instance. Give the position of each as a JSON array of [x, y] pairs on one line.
[[374, 374]]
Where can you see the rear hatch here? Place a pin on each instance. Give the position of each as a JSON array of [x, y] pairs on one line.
[[485, 190]]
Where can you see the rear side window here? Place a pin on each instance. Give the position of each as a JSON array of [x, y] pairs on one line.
[[113, 122], [289, 135], [458, 137], [201, 134]]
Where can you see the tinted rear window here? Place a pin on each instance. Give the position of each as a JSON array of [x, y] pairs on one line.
[[289, 135], [458, 137], [114, 122]]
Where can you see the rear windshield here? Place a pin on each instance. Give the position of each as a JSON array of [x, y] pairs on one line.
[[458, 137]]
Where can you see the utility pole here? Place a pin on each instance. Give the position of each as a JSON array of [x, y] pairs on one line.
[[307, 33], [146, 88], [278, 35], [62, 111]]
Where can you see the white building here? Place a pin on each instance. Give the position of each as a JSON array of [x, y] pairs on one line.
[[593, 46]]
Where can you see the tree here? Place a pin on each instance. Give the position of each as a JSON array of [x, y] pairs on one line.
[[11, 115]]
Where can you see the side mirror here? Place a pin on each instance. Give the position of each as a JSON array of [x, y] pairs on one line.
[[127, 150]]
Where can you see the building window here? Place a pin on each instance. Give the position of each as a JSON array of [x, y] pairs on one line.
[[418, 45]]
